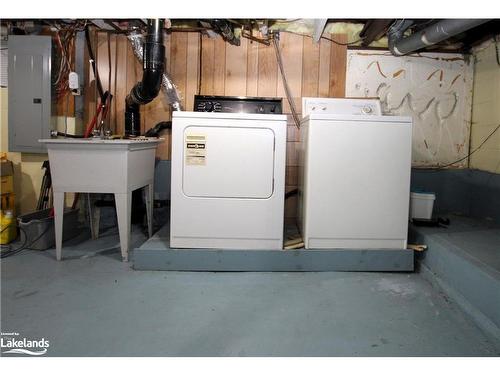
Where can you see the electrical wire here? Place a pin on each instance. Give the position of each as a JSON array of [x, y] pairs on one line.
[[266, 40], [115, 129], [66, 115], [187, 29], [291, 193], [67, 135], [248, 35], [340, 43], [495, 41], [461, 159], [109, 77], [10, 252], [326, 38], [285, 83], [64, 43], [93, 63], [288, 20], [200, 61], [24, 246]]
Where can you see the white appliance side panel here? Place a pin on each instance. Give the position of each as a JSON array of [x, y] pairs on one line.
[[229, 162], [302, 178], [358, 175]]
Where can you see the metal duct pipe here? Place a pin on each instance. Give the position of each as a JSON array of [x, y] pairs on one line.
[[171, 92], [396, 32], [146, 90], [437, 32]]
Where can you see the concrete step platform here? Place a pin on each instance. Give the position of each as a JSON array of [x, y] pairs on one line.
[[156, 254], [464, 259]]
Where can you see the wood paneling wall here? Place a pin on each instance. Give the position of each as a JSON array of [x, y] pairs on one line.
[[210, 66]]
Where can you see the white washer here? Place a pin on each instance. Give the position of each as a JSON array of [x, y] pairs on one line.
[[228, 180], [354, 176]]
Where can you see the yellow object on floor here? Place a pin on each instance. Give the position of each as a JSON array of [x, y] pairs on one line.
[[7, 184], [6, 175], [7, 227]]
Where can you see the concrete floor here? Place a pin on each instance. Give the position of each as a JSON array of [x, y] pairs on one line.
[[91, 304]]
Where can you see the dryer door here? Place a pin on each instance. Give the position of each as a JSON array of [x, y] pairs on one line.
[[228, 162]]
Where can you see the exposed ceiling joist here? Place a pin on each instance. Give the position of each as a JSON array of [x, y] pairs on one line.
[[373, 30]]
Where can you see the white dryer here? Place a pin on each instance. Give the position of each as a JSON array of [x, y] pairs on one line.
[[354, 175], [228, 180]]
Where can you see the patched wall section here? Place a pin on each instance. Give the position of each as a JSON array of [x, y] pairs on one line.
[[434, 88]]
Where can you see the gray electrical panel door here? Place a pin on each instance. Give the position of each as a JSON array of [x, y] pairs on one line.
[[29, 92]]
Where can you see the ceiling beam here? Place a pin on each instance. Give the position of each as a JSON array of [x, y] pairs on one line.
[[373, 30]]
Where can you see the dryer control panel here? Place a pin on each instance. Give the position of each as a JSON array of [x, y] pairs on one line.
[[237, 104]]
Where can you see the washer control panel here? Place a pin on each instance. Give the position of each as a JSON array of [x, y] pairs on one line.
[[237, 104], [338, 106]]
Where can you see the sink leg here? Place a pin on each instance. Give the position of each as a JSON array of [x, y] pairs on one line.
[[123, 212], [58, 221], [94, 216], [149, 196]]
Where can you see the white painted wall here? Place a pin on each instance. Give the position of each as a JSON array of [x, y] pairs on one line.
[[435, 89], [486, 109]]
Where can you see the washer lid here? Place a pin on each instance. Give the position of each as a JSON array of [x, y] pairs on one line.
[[228, 162]]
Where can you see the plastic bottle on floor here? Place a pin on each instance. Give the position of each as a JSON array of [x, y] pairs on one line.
[[7, 227]]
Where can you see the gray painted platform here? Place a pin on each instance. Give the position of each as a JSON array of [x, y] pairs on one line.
[[155, 254], [465, 260], [92, 304]]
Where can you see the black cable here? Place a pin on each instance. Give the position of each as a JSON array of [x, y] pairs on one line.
[[5, 254], [461, 159], [109, 78], [341, 43], [158, 128], [291, 193], [67, 135], [24, 246], [8, 226], [496, 49], [200, 62], [93, 63]]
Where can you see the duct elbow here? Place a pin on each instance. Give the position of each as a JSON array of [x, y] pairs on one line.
[[148, 88], [395, 34]]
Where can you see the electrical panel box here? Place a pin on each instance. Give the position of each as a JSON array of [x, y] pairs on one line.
[[30, 101]]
